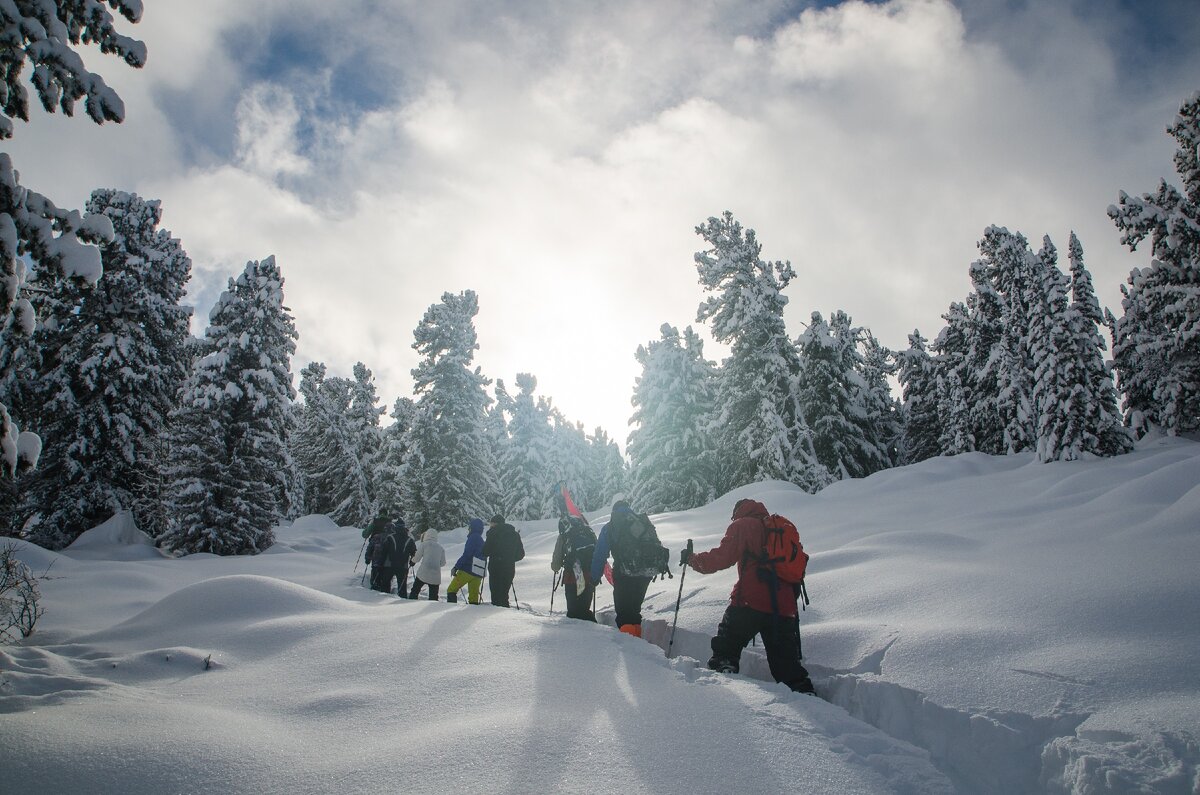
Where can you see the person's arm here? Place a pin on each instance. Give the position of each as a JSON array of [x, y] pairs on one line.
[[727, 553], [600, 555], [556, 558]]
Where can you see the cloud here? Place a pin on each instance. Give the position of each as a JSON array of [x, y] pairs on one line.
[[556, 157]]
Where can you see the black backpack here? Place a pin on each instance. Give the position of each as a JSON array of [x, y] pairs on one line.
[[579, 545], [636, 550]]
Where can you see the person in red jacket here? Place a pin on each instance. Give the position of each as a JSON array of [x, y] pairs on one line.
[[759, 604]]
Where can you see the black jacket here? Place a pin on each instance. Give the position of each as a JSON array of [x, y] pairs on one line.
[[502, 547]]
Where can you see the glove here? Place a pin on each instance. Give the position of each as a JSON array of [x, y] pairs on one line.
[[685, 554]]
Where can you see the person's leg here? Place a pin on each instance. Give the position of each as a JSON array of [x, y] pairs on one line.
[[782, 643], [459, 579], [499, 583], [737, 627], [433, 591], [415, 591], [474, 585]]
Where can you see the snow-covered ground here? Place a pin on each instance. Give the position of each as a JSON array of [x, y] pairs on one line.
[[978, 624]]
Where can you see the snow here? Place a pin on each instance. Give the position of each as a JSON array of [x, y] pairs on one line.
[[978, 624]]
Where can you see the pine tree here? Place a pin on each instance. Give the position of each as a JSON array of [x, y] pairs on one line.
[[387, 471], [333, 445], [760, 432], [954, 376], [674, 461], [1156, 342], [450, 476], [883, 426], [611, 471], [52, 240], [230, 479], [827, 396], [918, 382], [527, 471], [117, 356]]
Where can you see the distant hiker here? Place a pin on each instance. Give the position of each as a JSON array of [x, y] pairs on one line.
[[638, 557], [761, 602], [429, 561], [392, 556], [502, 548], [374, 535], [470, 567], [573, 553]]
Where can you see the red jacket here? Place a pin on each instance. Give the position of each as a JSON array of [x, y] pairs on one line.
[[743, 542]]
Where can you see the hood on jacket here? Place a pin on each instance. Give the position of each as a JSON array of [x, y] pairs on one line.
[[750, 508], [475, 527], [429, 535]]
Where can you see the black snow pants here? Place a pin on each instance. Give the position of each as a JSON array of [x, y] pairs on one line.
[[500, 580], [418, 583], [579, 605], [628, 595], [781, 639]]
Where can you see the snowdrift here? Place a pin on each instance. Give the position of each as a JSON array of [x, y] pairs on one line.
[[979, 624]]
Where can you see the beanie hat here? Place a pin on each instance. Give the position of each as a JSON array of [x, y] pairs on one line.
[[497, 519]]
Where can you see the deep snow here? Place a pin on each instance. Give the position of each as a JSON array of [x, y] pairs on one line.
[[979, 624]]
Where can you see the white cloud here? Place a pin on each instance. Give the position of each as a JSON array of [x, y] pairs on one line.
[[556, 158]]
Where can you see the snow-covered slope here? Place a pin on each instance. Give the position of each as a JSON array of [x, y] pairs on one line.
[[978, 624]]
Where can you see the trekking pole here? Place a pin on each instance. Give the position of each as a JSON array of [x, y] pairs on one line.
[[553, 590], [678, 600], [360, 554], [516, 602]]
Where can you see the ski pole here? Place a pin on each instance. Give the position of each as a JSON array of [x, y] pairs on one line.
[[360, 554], [678, 599], [553, 590], [516, 602]]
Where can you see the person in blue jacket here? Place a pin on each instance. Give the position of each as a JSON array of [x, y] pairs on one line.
[[633, 543], [469, 568]]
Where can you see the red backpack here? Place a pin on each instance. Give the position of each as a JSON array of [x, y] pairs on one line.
[[783, 551]]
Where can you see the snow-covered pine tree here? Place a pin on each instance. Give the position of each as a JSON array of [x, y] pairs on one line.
[[829, 396], [609, 469], [387, 471], [118, 354], [526, 470], [760, 431], [673, 458], [333, 448], [570, 458], [918, 382], [1073, 392], [52, 240], [1156, 341], [230, 479], [1004, 288], [954, 379], [883, 425], [450, 476]]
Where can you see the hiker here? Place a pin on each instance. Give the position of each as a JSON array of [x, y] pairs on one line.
[[374, 535], [638, 557], [429, 560], [469, 568], [760, 604], [391, 556], [573, 555], [502, 548]]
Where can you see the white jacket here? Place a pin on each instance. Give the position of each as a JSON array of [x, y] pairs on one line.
[[430, 559]]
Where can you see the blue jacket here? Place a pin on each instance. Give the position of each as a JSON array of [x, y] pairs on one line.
[[600, 556], [473, 547]]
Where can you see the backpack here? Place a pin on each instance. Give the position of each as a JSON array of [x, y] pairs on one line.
[[579, 544], [379, 553], [636, 550], [517, 548], [782, 550]]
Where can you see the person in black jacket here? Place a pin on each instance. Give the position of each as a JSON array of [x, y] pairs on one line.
[[503, 548], [392, 556]]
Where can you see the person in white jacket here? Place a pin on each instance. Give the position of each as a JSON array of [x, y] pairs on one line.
[[429, 561]]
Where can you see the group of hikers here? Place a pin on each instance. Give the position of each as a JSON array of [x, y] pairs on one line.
[[764, 601]]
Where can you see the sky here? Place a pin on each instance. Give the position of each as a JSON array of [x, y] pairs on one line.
[[556, 157], [966, 634]]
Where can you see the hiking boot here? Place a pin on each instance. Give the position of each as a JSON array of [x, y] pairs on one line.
[[723, 666], [632, 629], [804, 686]]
